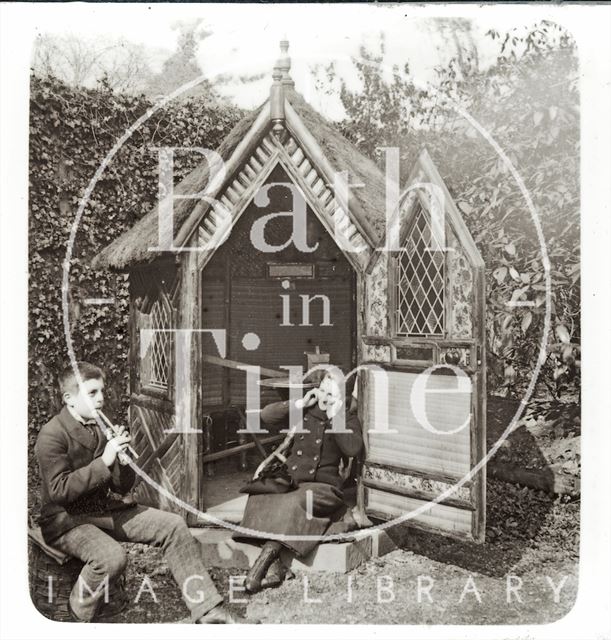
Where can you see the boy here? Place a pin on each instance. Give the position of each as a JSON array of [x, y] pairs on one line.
[[78, 466]]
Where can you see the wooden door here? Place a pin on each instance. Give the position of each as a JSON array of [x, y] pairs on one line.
[[161, 453], [424, 407], [154, 295]]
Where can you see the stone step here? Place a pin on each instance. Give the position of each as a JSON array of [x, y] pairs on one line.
[[220, 550]]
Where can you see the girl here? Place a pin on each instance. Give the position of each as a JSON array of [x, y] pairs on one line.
[[305, 497]]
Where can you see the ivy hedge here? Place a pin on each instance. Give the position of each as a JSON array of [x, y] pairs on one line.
[[71, 132]]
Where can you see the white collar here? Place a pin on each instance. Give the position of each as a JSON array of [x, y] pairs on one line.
[[78, 417]]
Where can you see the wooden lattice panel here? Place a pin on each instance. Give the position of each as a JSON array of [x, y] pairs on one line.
[[233, 197], [148, 428], [157, 312]]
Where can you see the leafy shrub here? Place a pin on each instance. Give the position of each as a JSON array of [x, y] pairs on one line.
[[528, 101]]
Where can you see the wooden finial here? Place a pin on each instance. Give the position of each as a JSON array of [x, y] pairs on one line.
[[276, 102], [277, 73], [284, 62]]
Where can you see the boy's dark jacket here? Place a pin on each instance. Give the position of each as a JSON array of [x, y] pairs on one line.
[[75, 480]]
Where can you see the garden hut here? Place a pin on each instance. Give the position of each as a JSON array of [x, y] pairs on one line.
[[352, 290]]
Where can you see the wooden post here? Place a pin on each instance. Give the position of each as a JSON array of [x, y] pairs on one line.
[[207, 424], [243, 456], [360, 312], [207, 470], [190, 318], [478, 447]]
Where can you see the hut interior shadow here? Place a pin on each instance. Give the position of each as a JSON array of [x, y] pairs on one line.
[[275, 306]]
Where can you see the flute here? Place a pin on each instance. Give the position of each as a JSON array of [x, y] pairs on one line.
[[111, 432], [277, 453]]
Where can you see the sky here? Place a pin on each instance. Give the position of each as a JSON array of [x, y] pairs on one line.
[[245, 37]]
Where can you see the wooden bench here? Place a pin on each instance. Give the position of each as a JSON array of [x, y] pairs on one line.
[[239, 412]]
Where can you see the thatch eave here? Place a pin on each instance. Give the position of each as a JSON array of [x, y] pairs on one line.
[[133, 246]]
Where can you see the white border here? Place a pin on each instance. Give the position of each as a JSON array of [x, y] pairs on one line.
[[590, 616]]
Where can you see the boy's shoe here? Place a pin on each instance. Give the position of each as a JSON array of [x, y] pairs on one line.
[[112, 609], [73, 615], [221, 615]]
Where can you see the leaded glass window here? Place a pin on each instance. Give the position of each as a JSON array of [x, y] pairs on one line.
[[159, 349], [420, 282]]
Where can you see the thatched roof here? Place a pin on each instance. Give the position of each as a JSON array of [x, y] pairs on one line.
[[132, 247], [344, 156]]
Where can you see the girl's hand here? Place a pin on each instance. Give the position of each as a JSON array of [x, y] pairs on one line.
[[310, 398], [333, 409]]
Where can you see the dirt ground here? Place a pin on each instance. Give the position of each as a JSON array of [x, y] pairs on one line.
[[531, 536], [385, 591]]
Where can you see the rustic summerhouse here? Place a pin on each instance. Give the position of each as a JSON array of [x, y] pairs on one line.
[[404, 310]]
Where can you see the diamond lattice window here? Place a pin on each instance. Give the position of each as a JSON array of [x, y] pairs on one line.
[[160, 346], [420, 282]]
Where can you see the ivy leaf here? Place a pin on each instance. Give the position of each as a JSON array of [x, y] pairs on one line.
[[465, 207], [567, 355], [500, 274], [510, 374], [518, 293], [563, 334]]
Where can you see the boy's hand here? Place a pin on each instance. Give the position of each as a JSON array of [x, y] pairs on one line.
[[115, 446]]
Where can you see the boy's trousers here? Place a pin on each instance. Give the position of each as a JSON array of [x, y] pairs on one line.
[[105, 558]]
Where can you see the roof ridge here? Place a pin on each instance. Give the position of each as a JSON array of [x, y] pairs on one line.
[[342, 154]]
